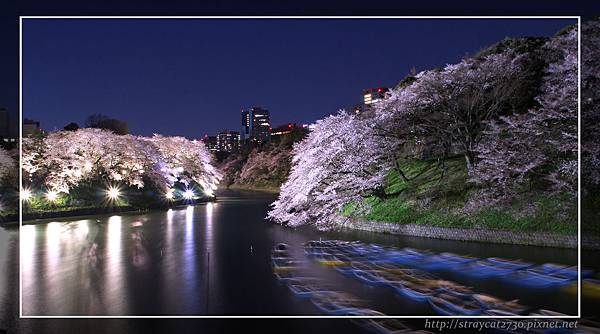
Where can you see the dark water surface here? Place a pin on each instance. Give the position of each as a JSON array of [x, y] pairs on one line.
[[211, 259]]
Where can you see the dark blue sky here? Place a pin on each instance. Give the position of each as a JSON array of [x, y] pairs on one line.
[[190, 77]]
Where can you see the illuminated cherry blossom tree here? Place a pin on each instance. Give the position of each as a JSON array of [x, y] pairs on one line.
[[63, 159], [338, 164], [7, 165], [590, 103], [541, 143]]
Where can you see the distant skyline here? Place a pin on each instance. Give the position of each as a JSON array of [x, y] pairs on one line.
[[193, 76]]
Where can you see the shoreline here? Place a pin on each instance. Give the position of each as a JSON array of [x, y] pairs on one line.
[[270, 190], [540, 239], [35, 217]]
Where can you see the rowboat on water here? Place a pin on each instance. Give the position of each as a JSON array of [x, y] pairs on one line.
[[454, 289], [571, 271], [590, 288], [490, 302], [416, 292], [517, 264], [537, 279], [307, 287], [370, 277], [387, 326], [486, 268], [337, 303], [446, 304]]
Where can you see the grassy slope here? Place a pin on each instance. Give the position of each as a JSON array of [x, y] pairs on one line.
[[430, 199]]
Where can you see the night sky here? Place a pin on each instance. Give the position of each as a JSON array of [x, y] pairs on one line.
[[191, 77]]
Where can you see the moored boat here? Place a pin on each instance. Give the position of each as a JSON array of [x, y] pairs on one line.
[[337, 303], [517, 264], [491, 302], [307, 286], [537, 279], [446, 304], [369, 277], [486, 268], [387, 326], [415, 291]]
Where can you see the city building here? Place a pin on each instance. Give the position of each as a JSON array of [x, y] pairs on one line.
[[4, 129], [357, 109], [210, 142], [8, 138], [281, 131], [31, 127], [370, 97], [228, 141], [256, 125]]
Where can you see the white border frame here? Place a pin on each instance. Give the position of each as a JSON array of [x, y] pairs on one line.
[[21, 18]]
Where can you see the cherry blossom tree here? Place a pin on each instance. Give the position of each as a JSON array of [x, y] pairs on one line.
[[541, 143], [454, 104], [590, 103], [268, 167], [186, 160], [64, 159], [7, 165], [339, 163]]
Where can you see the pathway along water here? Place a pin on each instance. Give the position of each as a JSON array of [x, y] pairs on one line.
[[211, 259]]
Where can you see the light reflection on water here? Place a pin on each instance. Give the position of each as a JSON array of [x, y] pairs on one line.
[[197, 260]]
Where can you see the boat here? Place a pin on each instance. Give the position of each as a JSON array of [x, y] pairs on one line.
[[537, 279], [571, 271], [445, 261], [446, 304], [501, 313], [517, 264], [590, 288], [490, 302], [364, 312], [486, 268], [454, 289], [407, 256], [333, 260], [285, 262], [307, 287], [336, 303], [455, 258], [387, 326], [281, 247], [547, 313], [369, 277], [285, 275], [414, 291]]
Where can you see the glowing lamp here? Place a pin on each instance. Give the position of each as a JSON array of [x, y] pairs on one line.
[[113, 193], [51, 195], [25, 195], [188, 194]]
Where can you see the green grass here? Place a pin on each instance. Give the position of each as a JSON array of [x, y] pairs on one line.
[[450, 190]]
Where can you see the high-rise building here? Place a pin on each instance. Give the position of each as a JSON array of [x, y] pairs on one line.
[[30, 127], [256, 125], [8, 133], [4, 128], [228, 141], [372, 96], [210, 142]]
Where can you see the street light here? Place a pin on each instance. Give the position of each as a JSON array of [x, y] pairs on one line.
[[51, 195], [113, 193], [25, 195], [188, 194]]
